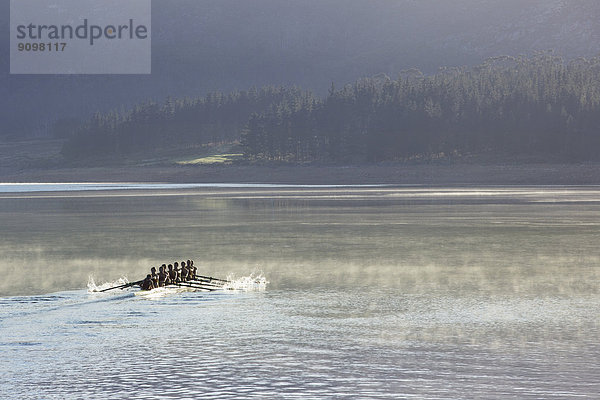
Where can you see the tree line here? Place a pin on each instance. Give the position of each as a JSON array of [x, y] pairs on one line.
[[214, 118], [539, 105]]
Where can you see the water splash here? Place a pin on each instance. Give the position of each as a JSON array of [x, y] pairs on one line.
[[255, 282], [92, 287]]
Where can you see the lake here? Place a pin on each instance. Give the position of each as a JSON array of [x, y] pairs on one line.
[[373, 292]]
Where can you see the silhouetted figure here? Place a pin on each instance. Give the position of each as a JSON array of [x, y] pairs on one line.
[[192, 268], [148, 283], [177, 271], [184, 272], [172, 274], [163, 276], [154, 276]]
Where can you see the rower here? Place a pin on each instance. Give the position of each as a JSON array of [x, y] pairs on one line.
[[148, 283], [154, 276], [184, 272], [192, 269], [172, 274], [168, 280], [163, 276], [177, 271], [187, 276]]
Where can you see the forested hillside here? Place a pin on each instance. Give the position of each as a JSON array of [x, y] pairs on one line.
[[214, 118], [199, 46], [534, 106], [538, 105]]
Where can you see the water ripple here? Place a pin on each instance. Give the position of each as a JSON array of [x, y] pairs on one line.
[[326, 344]]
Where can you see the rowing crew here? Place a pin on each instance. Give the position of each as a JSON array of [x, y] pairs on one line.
[[170, 274]]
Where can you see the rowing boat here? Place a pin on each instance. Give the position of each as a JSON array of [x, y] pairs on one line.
[[200, 284], [192, 285], [166, 290]]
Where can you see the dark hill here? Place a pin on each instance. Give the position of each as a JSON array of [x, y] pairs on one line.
[[205, 45]]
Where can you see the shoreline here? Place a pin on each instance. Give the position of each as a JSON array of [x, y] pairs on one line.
[[392, 174]]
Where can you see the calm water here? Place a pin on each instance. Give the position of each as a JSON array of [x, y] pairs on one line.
[[374, 292]]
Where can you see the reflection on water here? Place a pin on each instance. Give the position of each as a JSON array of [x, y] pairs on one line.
[[374, 293]]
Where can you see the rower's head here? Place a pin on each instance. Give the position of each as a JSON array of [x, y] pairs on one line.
[[176, 265], [189, 263], [183, 263], [170, 267], [148, 276], [153, 269]]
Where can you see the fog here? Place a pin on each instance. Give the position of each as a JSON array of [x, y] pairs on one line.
[[491, 241]]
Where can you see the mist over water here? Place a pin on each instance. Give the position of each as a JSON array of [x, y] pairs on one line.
[[501, 240], [374, 292]]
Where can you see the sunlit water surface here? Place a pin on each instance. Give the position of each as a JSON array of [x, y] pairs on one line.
[[374, 292]]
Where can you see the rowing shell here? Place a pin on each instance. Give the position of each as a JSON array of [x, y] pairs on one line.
[[162, 291], [170, 289]]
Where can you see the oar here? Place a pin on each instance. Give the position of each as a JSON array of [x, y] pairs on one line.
[[198, 282], [206, 282], [122, 286], [212, 279], [188, 284], [216, 286]]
